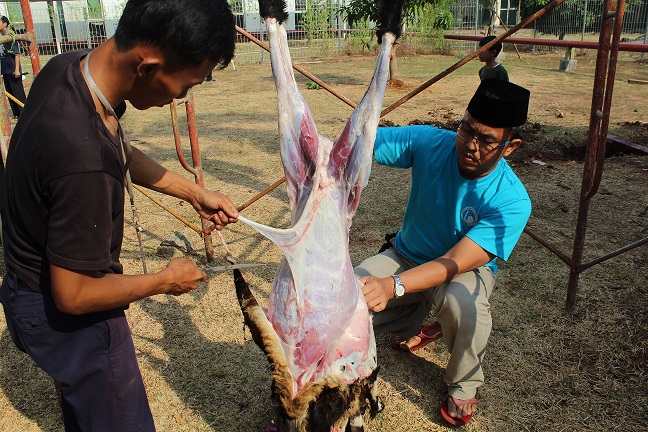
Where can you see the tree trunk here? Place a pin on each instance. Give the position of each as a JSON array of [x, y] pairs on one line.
[[393, 64], [493, 15]]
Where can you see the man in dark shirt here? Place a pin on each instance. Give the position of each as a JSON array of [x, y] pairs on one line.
[[64, 292], [11, 71]]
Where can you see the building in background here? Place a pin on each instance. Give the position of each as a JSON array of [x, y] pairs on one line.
[[66, 25]]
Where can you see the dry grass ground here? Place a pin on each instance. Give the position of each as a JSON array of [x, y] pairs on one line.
[[546, 370]]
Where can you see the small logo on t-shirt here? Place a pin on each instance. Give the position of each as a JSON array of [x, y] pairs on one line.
[[469, 216]]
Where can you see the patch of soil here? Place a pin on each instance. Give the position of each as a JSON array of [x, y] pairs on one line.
[[636, 132], [396, 84], [444, 118], [554, 143]]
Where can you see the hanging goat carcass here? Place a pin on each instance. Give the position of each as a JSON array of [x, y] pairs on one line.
[[317, 331]]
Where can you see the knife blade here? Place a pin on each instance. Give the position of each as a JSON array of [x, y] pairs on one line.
[[218, 269]]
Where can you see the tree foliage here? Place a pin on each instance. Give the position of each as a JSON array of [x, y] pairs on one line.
[[316, 20], [361, 10], [569, 17], [431, 21]]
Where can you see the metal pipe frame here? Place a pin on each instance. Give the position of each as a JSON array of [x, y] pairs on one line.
[[5, 123], [195, 159], [624, 46], [597, 136], [606, 62], [299, 69]]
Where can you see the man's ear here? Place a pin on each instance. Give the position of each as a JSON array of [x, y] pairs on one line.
[[148, 66], [512, 146]]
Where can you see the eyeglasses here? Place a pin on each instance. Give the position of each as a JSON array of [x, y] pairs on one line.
[[466, 137]]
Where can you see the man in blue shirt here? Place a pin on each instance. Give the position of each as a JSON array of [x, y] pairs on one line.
[[466, 208]]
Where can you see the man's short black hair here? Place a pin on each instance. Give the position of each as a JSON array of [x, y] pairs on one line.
[[497, 47], [187, 31]]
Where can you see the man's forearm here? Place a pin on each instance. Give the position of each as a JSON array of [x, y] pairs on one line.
[[85, 292], [429, 275], [77, 292], [465, 256]]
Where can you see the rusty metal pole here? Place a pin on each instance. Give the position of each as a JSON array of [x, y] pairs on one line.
[[33, 46], [176, 136], [623, 46], [599, 119], [197, 166], [607, 99]]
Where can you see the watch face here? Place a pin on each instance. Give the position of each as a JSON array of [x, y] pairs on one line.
[[400, 289]]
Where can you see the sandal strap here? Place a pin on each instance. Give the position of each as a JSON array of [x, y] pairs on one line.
[[433, 332], [462, 402]]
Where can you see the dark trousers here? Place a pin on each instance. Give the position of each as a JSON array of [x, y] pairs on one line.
[[92, 357], [14, 87]]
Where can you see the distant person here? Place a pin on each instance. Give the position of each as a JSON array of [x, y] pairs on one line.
[[492, 69], [10, 65], [62, 203]]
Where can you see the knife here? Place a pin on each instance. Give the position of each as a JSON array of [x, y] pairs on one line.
[[218, 269]]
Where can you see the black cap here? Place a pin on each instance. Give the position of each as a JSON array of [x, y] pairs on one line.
[[498, 103]]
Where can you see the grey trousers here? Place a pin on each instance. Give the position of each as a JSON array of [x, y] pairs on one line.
[[461, 307]]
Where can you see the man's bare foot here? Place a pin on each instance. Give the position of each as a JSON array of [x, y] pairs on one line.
[[458, 412], [460, 408], [407, 345], [427, 334], [401, 344]]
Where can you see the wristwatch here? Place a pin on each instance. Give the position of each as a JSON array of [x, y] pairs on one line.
[[399, 288]]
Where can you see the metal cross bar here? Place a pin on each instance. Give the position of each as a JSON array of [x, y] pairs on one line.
[[564, 43]]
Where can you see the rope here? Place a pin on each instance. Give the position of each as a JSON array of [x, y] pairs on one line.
[[170, 211]]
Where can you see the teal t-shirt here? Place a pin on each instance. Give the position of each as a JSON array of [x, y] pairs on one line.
[[443, 206]]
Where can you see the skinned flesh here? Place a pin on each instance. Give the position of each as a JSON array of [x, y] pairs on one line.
[[316, 306]]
